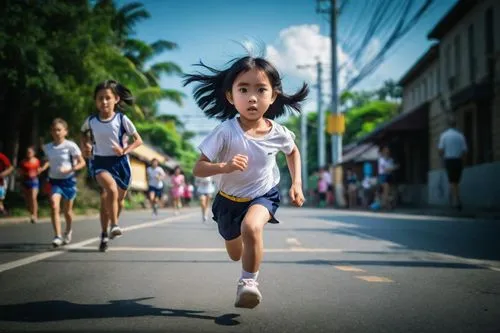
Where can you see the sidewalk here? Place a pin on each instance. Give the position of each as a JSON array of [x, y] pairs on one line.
[[470, 213]]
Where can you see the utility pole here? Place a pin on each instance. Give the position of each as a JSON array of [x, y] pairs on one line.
[[321, 126], [336, 137], [321, 119]]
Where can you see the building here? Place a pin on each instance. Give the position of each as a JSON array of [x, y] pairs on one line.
[[458, 75], [468, 83], [140, 159]]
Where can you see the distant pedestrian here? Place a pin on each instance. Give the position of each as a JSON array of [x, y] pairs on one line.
[[453, 149], [205, 189], [155, 175], [178, 182], [242, 152]]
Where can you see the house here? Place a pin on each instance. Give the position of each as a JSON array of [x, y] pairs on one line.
[[140, 158]]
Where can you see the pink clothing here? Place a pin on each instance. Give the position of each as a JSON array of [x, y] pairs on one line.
[[177, 186], [322, 186]]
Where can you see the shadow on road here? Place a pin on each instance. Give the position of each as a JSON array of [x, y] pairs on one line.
[[47, 311], [25, 247], [475, 240]]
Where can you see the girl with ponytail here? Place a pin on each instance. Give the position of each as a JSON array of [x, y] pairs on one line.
[[242, 151], [103, 142]]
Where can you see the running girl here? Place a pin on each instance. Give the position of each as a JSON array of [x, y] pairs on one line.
[[242, 151], [63, 159], [109, 164]]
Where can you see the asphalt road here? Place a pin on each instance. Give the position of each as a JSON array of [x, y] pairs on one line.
[[323, 271]]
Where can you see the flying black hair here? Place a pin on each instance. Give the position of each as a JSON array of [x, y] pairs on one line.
[[210, 93]]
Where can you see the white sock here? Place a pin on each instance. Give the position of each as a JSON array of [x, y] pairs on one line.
[[247, 275]]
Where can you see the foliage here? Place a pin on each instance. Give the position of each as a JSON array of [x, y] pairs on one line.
[[53, 53]]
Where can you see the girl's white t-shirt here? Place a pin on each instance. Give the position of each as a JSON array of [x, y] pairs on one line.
[[155, 176], [205, 184], [61, 156], [262, 174], [108, 133]]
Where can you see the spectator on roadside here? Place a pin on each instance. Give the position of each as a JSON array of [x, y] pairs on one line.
[[386, 167], [453, 149], [322, 189], [352, 187]]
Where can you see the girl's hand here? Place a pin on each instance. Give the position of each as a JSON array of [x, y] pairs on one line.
[[296, 195], [65, 170], [87, 150], [118, 150], [238, 162]]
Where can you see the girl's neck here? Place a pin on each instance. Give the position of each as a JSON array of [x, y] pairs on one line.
[[58, 141], [247, 124], [106, 116]]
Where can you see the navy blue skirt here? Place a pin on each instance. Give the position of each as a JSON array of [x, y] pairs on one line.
[[229, 214]]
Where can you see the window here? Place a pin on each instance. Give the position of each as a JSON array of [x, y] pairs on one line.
[[484, 132], [489, 42], [458, 60], [472, 58], [447, 67], [437, 88]]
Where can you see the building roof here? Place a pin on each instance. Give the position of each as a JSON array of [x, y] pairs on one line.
[[454, 15], [146, 153], [420, 65]]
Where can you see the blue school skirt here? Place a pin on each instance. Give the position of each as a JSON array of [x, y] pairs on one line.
[[229, 211], [65, 187], [117, 166]]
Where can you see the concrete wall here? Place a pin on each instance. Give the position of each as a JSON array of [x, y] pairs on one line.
[[479, 188]]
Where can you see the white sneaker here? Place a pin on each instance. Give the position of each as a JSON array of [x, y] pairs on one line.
[[205, 218], [247, 295], [115, 231], [67, 237], [57, 241]]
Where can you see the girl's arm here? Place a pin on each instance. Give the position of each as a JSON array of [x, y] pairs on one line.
[[205, 168], [7, 171], [137, 142], [44, 167], [80, 163], [85, 145], [293, 161]]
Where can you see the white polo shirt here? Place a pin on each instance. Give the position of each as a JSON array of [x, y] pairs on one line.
[[453, 143], [262, 174]]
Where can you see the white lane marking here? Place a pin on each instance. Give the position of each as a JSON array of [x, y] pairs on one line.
[[293, 242], [42, 256]]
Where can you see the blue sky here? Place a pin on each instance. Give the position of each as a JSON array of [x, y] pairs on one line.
[[289, 32]]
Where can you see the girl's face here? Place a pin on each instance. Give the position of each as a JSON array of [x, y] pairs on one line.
[[177, 171], [58, 132], [30, 153], [154, 163], [105, 101], [251, 94]]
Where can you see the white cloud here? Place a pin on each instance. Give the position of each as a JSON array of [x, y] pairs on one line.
[[305, 45]]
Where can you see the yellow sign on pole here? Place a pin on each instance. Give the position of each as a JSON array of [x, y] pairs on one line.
[[335, 124]]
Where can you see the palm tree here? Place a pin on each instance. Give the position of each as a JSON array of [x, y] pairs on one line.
[[131, 68]]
